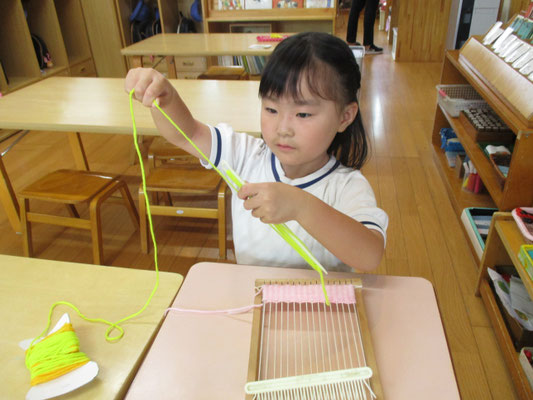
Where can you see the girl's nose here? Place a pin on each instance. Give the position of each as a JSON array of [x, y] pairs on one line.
[[285, 127]]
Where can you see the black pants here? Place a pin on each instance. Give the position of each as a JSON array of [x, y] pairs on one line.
[[371, 7]]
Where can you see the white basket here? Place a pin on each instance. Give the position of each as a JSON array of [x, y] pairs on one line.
[[454, 98]]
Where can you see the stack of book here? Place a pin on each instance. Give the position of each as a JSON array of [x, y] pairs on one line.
[[254, 65]]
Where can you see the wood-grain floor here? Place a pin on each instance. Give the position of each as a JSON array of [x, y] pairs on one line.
[[425, 239]]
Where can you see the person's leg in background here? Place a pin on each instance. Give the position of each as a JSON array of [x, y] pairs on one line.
[[371, 9], [353, 19]]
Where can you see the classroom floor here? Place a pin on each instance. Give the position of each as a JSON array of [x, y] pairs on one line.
[[425, 239]]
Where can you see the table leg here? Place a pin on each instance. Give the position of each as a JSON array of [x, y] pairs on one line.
[[78, 151], [136, 61], [8, 199], [171, 65]]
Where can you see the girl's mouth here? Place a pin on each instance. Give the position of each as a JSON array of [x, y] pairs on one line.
[[284, 147]]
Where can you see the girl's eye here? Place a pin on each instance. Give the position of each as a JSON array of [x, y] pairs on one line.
[[303, 115], [270, 110]]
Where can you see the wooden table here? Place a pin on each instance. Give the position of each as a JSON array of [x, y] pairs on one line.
[[206, 356], [100, 105], [29, 287], [170, 45]]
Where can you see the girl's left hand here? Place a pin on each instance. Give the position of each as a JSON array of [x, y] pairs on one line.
[[272, 203]]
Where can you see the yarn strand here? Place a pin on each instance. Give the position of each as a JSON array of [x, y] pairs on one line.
[[58, 353]]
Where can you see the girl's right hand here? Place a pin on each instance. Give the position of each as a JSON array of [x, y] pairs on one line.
[[149, 85]]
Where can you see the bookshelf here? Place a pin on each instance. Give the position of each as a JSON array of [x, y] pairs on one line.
[[503, 243], [218, 20], [509, 94]]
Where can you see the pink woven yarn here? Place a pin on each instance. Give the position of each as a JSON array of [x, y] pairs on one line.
[[338, 294]]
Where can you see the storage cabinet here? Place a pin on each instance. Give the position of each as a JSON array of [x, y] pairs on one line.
[[109, 30], [502, 247], [75, 39], [217, 20], [510, 95], [59, 23], [83, 37]]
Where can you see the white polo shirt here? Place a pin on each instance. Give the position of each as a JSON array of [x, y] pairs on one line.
[[256, 243]]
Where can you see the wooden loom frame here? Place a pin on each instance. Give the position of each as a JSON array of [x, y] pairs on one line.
[[257, 323]]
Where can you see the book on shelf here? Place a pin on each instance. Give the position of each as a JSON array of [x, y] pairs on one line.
[[476, 221], [529, 10], [318, 4], [257, 4], [287, 3], [254, 65]]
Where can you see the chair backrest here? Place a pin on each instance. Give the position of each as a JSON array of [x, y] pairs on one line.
[[219, 72]]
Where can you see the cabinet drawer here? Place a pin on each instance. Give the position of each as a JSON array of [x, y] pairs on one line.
[[190, 63], [85, 68], [188, 74]]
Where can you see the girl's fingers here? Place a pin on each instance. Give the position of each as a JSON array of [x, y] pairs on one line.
[[247, 191], [146, 84]]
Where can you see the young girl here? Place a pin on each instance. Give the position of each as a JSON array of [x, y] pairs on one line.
[[305, 169]]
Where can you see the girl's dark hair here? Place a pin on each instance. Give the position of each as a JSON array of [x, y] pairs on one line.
[[329, 66]]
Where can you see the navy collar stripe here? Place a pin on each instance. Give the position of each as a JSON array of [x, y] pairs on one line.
[[302, 185], [219, 145], [273, 164]]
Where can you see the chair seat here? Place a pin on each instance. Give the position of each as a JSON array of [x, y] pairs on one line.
[[183, 180], [68, 186], [72, 187], [160, 148]]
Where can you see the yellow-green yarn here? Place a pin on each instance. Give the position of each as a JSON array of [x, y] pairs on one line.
[[55, 355], [293, 240], [38, 355]]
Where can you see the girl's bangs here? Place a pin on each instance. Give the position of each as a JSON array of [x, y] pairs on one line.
[[285, 79]]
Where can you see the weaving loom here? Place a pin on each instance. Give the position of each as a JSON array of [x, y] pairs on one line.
[[303, 349]]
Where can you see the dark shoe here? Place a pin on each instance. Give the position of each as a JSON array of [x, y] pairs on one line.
[[373, 49], [354, 44]]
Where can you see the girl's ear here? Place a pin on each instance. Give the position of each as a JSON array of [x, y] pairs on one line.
[[348, 115]]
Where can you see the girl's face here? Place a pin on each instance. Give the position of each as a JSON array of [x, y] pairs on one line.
[[299, 132]]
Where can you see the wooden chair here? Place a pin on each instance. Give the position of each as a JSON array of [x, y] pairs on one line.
[[219, 72], [71, 188], [161, 151], [183, 175], [188, 181]]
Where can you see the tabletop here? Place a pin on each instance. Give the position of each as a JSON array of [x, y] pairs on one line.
[[100, 105], [29, 287], [197, 356], [200, 44]]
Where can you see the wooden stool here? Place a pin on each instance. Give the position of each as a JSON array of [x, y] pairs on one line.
[[185, 180], [72, 187], [230, 73]]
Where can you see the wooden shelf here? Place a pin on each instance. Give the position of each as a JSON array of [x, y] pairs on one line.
[[59, 23], [512, 239], [460, 198], [74, 31], [282, 20], [502, 247], [517, 189], [493, 99], [509, 85], [518, 375]]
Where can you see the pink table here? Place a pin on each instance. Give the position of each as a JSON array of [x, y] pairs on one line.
[[206, 356]]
